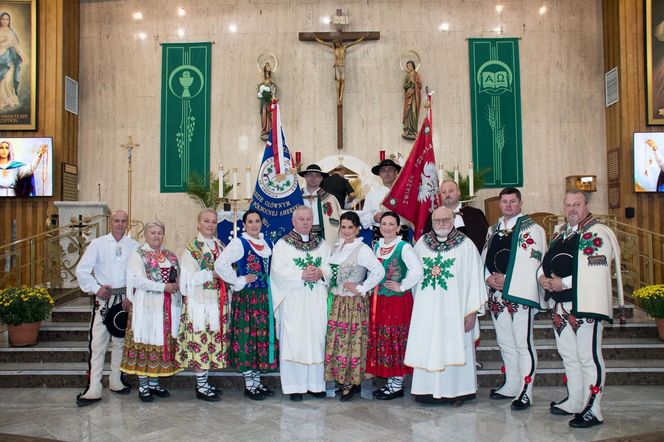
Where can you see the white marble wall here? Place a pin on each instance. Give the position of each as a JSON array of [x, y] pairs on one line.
[[561, 81]]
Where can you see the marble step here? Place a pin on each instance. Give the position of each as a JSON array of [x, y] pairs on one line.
[[82, 313], [613, 348], [549, 373], [78, 331]]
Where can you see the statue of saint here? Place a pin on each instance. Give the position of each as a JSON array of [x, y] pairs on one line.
[[267, 90], [412, 98], [339, 49]]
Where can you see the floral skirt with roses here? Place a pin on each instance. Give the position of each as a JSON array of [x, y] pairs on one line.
[[249, 332], [346, 340], [146, 359], [201, 350]]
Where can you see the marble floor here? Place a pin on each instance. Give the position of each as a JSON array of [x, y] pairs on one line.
[[52, 413]]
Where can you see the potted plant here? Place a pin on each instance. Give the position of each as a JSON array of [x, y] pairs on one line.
[[651, 299], [23, 309], [207, 196]]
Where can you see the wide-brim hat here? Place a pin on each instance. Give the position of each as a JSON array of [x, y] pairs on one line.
[[116, 320], [388, 162], [313, 168]]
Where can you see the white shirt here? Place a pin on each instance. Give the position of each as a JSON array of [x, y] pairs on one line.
[[373, 203], [458, 219], [312, 202], [408, 256], [105, 263], [365, 258]]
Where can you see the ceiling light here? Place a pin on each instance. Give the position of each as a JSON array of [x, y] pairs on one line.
[[137, 15], [142, 35], [182, 12], [180, 32], [543, 10], [444, 27], [232, 29], [499, 8]]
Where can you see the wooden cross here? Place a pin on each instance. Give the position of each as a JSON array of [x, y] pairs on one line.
[[335, 41]]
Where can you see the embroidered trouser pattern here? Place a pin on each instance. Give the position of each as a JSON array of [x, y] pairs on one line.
[[579, 343], [98, 346], [514, 334]]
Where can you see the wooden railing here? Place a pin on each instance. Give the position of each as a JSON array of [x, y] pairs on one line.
[[642, 251]]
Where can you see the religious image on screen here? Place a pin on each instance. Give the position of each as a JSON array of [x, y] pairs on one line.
[[649, 162], [26, 167]]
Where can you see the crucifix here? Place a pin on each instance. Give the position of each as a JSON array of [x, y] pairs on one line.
[[339, 41], [130, 146]]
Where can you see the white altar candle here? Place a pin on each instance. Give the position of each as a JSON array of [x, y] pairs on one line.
[[456, 174], [235, 182], [221, 182], [247, 179], [471, 177], [441, 174]]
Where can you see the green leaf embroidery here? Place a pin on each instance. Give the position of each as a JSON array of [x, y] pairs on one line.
[[306, 262], [436, 272]]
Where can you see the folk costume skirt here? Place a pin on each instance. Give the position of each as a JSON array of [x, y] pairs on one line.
[[346, 340], [389, 322]]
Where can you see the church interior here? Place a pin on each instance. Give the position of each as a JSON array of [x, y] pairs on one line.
[[90, 80]]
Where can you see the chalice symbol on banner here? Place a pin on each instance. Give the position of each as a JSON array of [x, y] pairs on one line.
[[185, 81]]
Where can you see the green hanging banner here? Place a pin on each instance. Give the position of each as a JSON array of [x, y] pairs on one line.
[[495, 104], [185, 115]]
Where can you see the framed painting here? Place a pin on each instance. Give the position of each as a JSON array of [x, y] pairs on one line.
[[18, 64]]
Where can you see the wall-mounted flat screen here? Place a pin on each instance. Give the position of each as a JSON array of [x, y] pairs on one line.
[[26, 167], [649, 161]]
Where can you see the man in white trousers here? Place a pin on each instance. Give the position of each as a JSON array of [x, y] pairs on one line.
[[102, 272], [576, 274]]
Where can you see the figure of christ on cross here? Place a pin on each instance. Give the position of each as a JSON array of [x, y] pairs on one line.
[[339, 49], [339, 42]]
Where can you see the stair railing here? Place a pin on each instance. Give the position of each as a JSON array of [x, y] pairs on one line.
[[641, 251]]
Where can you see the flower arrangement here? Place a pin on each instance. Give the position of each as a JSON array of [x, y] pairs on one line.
[[651, 298], [264, 93], [24, 305]]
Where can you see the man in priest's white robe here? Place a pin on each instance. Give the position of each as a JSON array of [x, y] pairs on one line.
[[299, 276], [444, 328]]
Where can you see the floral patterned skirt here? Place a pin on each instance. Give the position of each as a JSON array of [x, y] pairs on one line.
[[201, 350], [346, 340], [147, 359], [388, 335], [249, 332]]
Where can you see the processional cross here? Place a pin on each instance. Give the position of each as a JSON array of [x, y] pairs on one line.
[[130, 146], [339, 41]]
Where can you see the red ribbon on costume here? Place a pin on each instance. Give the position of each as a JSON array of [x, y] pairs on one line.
[[223, 296], [167, 325]]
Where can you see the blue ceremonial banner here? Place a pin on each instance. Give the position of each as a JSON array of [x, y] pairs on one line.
[[277, 194]]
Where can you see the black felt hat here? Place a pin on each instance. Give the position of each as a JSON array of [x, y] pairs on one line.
[[313, 168], [388, 162], [116, 320]]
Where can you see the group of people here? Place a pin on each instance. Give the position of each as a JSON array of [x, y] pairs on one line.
[[321, 311]]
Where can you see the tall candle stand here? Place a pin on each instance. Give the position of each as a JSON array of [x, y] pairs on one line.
[[235, 207]]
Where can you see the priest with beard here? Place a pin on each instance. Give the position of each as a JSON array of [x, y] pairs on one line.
[[444, 324]]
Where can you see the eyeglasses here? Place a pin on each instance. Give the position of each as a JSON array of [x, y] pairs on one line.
[[439, 221], [575, 205]]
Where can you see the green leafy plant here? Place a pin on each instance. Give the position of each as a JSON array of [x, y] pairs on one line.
[[23, 305], [651, 299], [464, 183], [207, 196]]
